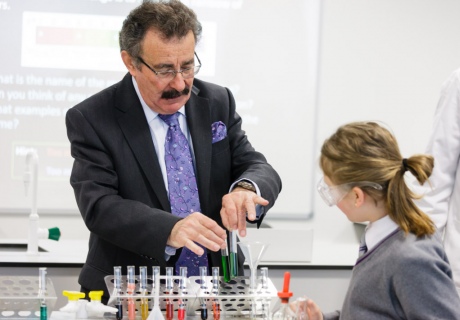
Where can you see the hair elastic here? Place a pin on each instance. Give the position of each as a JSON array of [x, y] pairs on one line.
[[404, 165]]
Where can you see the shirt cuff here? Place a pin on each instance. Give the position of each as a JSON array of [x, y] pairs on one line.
[[169, 252]]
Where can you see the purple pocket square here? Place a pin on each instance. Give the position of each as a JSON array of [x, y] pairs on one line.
[[219, 131]]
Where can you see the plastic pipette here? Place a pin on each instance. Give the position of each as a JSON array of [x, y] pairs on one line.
[[233, 255], [284, 311], [156, 313]]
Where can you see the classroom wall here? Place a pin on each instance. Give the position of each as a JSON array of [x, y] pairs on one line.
[[380, 60]]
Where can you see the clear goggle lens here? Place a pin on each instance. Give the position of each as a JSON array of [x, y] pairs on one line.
[[334, 194]]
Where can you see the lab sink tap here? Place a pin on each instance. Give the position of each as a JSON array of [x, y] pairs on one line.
[[35, 232]]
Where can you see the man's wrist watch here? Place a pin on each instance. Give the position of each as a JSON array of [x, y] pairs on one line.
[[246, 185]]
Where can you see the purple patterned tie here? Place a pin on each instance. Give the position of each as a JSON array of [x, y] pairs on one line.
[[183, 191]]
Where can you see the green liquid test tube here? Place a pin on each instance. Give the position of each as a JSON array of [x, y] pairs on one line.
[[43, 312], [225, 271], [233, 265], [225, 268]]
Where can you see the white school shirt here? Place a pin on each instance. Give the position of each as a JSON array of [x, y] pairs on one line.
[[378, 230]]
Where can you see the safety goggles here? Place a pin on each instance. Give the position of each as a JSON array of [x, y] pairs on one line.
[[334, 194]]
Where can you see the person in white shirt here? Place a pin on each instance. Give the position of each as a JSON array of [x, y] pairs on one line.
[[402, 271], [441, 200]]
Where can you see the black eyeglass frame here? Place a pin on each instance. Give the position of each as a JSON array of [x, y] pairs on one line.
[[165, 74]]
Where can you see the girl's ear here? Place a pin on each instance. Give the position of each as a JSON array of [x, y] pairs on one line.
[[359, 196]]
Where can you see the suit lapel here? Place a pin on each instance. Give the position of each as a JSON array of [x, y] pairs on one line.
[[133, 123], [199, 123]]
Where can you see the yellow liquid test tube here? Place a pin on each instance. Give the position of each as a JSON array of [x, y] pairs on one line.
[[143, 290]]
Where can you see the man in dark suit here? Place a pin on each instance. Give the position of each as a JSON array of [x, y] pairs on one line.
[[120, 176]]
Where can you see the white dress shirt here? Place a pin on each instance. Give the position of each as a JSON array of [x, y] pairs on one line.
[[378, 230], [158, 130]]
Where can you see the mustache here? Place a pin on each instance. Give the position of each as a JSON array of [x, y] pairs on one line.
[[171, 94]]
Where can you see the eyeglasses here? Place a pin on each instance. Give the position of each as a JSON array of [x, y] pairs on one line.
[[186, 73], [334, 194]]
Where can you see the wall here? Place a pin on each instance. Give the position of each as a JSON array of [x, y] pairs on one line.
[[379, 60]]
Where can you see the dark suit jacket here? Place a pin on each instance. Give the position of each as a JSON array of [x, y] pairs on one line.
[[119, 186]]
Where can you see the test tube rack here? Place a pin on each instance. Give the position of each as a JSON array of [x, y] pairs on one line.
[[19, 297], [236, 298]]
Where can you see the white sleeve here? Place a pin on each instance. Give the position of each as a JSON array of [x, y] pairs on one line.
[[444, 146]]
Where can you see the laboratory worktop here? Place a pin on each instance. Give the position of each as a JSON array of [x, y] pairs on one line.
[[62, 253], [297, 249]]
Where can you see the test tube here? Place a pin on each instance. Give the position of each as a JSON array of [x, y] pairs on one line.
[[181, 310], [264, 277], [169, 287], [131, 280], [204, 310], [233, 255], [169, 278], [117, 285], [215, 289], [215, 279], [155, 274], [265, 302], [216, 309], [203, 285], [182, 286], [169, 309], [42, 293], [224, 254], [130, 287], [143, 290], [183, 278], [203, 274], [156, 291]]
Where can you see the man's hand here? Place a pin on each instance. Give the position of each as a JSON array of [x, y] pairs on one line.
[[198, 228], [235, 205]]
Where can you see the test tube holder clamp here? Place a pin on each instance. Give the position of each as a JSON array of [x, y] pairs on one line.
[[19, 298], [236, 298]]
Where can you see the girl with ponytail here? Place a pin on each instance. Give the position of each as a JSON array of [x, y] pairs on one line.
[[402, 271]]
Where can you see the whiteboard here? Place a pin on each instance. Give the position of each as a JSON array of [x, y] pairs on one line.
[[61, 52]]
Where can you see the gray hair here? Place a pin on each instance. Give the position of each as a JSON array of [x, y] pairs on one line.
[[171, 18]]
